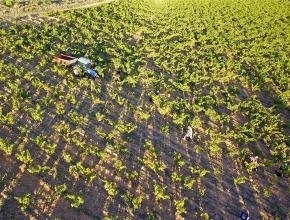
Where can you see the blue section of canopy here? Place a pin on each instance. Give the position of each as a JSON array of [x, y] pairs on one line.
[[92, 72]]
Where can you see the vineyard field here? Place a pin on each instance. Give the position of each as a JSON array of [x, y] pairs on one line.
[[115, 147]]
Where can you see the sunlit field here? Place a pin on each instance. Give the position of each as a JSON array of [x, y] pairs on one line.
[[119, 147]]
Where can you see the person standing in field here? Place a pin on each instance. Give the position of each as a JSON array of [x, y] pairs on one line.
[[188, 136]]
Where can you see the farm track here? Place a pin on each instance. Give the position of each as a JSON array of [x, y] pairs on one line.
[[61, 8]]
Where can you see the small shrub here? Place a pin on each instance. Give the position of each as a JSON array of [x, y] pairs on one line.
[[23, 201]]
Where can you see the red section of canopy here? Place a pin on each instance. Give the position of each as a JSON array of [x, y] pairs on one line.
[[65, 59]]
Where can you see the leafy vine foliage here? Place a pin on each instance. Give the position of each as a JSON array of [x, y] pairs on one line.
[[114, 147]]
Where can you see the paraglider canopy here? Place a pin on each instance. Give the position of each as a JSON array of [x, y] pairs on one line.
[[84, 61]]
